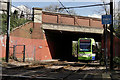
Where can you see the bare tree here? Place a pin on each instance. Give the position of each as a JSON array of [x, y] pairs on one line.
[[27, 12], [116, 16], [53, 8], [105, 7]]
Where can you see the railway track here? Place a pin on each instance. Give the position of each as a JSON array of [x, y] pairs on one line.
[[58, 70]]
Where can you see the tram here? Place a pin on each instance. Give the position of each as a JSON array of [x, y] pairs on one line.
[[85, 49]]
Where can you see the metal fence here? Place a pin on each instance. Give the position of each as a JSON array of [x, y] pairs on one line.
[[24, 52], [19, 52]]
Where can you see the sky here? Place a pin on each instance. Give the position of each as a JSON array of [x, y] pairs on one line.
[[90, 11]]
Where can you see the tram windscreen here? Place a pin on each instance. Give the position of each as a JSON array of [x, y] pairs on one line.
[[85, 46]]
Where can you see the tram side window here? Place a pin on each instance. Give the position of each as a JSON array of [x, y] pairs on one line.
[[93, 48]]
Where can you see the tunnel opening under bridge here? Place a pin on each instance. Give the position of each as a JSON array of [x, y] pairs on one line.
[[60, 42]]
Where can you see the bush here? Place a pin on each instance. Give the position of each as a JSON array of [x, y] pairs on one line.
[[14, 22], [116, 60], [3, 58]]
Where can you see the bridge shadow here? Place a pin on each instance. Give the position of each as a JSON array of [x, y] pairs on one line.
[[45, 71]]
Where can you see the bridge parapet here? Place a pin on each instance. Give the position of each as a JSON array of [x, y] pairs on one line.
[[57, 18], [65, 19], [65, 22]]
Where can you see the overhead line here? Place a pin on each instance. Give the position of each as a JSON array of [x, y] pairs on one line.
[[67, 11], [64, 7], [83, 6]]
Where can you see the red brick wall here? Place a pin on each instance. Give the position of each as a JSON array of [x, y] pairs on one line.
[[116, 45], [2, 46], [21, 36], [82, 22], [67, 20], [48, 18], [42, 53], [23, 31], [96, 23], [37, 31], [56, 18]]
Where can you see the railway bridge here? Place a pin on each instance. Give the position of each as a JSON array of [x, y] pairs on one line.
[[61, 29]]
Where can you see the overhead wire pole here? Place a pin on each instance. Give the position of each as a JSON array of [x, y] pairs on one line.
[[111, 36], [8, 31], [106, 55], [105, 41]]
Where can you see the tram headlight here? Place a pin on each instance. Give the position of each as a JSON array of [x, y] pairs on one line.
[[80, 54], [89, 55]]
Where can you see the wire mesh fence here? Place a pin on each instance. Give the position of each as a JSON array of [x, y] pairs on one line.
[[30, 52], [19, 52], [23, 52]]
